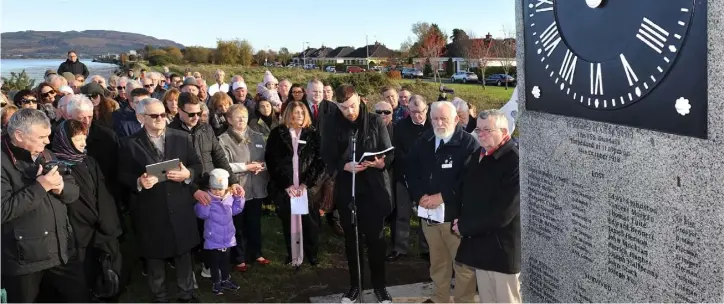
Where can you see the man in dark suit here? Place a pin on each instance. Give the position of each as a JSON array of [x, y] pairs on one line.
[[319, 109], [163, 212], [317, 106]]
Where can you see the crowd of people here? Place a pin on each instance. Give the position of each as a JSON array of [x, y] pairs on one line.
[[75, 181]]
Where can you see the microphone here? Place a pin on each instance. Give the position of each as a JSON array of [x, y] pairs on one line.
[[444, 89]]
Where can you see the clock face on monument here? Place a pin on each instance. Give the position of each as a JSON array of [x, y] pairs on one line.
[[640, 63]]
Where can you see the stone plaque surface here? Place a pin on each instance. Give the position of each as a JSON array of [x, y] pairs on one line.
[[613, 213]]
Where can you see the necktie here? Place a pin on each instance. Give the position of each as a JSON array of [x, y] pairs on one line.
[[316, 111]]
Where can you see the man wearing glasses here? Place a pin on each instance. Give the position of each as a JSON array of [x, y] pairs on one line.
[[434, 174], [162, 212], [389, 94], [489, 218], [207, 146], [406, 132], [150, 85]]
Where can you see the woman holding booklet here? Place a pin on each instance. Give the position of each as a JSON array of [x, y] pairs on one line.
[[294, 164]]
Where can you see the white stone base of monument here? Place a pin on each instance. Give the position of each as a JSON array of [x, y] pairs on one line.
[[411, 293]]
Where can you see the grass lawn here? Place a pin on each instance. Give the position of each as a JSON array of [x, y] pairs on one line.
[[483, 98], [279, 283], [489, 97]]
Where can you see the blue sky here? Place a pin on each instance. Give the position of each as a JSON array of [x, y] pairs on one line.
[[272, 24]]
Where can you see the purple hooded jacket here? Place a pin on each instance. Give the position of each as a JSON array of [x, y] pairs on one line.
[[219, 231]]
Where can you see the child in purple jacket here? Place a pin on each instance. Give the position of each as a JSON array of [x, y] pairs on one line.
[[219, 229]]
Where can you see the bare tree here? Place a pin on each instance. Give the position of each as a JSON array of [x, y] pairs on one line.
[[504, 51]]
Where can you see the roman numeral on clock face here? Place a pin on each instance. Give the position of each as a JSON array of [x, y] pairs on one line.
[[652, 35], [596, 79], [541, 7], [630, 75], [568, 68], [550, 38]]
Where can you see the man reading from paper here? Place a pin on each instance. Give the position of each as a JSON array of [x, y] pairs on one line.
[[434, 176]]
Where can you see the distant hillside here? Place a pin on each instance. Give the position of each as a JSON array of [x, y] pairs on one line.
[[53, 44]]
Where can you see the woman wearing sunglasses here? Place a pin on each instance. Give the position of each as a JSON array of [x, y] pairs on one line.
[[46, 93]]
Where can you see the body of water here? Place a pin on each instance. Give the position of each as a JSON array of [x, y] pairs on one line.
[[36, 67]]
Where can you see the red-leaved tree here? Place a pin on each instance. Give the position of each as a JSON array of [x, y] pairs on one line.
[[431, 49]]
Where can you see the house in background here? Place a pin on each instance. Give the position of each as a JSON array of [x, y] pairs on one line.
[[376, 53], [302, 58], [463, 60]]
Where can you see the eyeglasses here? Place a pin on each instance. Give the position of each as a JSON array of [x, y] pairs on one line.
[[385, 112], [297, 92], [120, 88], [27, 100], [147, 86], [47, 94], [156, 116], [486, 130], [192, 114], [92, 96]]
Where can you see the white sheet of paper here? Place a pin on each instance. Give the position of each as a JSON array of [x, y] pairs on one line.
[[366, 154], [300, 205], [437, 214]]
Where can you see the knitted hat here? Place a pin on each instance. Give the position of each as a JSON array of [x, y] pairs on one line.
[[69, 76], [92, 88], [268, 77], [219, 179], [271, 95], [49, 72]]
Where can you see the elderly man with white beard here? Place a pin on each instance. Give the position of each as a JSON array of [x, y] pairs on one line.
[[434, 175]]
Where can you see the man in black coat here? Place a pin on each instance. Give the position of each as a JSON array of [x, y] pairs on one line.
[[434, 176], [205, 142], [73, 65], [319, 109], [38, 246], [207, 147], [372, 191], [406, 132], [162, 212], [102, 144], [489, 220]]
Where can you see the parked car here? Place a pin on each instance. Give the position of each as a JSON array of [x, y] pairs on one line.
[[464, 77], [411, 73], [331, 69], [500, 79], [354, 69]]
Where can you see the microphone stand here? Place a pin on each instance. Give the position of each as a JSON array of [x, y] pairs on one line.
[[353, 208]]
